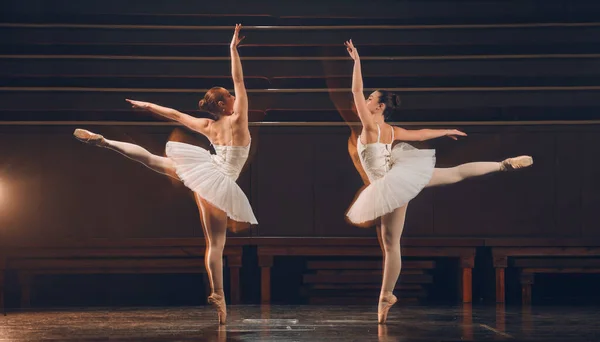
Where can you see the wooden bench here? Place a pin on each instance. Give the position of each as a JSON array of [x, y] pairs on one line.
[[462, 249], [103, 256], [358, 281], [534, 256], [531, 266]]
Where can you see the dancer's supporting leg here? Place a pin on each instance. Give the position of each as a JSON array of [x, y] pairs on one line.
[[135, 152], [214, 223], [380, 240], [392, 226], [445, 176]]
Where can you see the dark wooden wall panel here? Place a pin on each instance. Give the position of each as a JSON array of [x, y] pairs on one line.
[[423, 11], [381, 35], [336, 183], [300, 181], [420, 217], [284, 169], [132, 200], [77, 188], [569, 172], [531, 67], [110, 101], [497, 204], [591, 184], [21, 183]]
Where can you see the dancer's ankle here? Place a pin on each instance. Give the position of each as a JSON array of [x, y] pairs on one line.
[[385, 294]]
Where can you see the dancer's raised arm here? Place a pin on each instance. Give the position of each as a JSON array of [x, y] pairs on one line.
[[240, 106], [199, 125], [357, 89]]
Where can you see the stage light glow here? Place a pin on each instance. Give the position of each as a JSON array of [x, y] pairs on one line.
[[4, 190]]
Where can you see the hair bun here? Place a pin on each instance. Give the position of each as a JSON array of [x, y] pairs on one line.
[[396, 100]]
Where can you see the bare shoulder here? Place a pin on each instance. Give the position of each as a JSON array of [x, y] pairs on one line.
[[202, 125], [205, 121], [239, 116], [397, 128]]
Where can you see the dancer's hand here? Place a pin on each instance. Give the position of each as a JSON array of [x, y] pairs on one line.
[[235, 41], [138, 104], [351, 49], [454, 133]]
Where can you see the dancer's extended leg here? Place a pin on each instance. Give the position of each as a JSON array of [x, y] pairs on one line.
[[135, 152], [445, 176]]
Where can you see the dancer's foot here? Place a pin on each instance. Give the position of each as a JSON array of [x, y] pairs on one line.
[[516, 163], [385, 304], [218, 301], [89, 137]]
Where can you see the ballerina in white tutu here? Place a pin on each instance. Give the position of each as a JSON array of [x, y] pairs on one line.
[[397, 174], [211, 177]]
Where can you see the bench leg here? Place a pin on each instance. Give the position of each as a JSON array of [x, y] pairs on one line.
[[25, 282], [465, 287], [265, 262], [526, 282], [466, 278], [500, 291], [234, 263], [500, 264]]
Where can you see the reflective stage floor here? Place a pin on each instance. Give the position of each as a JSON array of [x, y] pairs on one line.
[[305, 323]]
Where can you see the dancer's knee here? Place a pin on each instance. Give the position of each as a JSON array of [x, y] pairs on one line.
[[217, 245], [390, 244]]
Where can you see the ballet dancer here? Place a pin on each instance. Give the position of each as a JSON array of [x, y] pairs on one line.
[[397, 173], [212, 178]]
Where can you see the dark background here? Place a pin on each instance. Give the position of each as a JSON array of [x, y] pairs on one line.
[[520, 89]]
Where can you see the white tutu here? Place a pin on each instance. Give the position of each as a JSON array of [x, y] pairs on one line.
[[411, 170], [213, 176]]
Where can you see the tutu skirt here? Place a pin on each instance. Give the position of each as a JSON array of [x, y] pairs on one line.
[[410, 172], [212, 178]]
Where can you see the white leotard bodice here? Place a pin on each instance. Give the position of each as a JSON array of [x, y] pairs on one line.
[[375, 157], [231, 159]]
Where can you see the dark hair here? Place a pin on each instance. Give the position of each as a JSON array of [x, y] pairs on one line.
[[391, 102], [210, 102]]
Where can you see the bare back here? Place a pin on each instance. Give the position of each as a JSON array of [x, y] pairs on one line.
[[369, 136], [229, 131]]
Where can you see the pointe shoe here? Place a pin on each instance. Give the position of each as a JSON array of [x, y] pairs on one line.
[[89, 137], [218, 301], [516, 163], [385, 304]]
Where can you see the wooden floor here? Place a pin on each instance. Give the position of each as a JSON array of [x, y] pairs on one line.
[[304, 323]]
